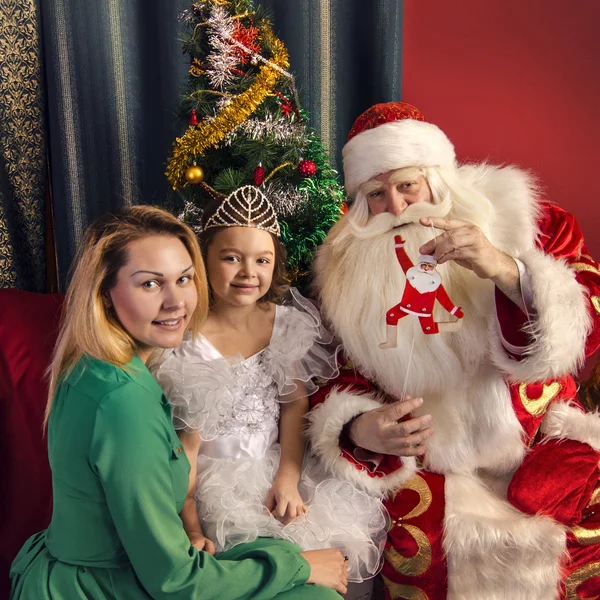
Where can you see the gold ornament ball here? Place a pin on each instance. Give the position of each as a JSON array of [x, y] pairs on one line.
[[194, 174]]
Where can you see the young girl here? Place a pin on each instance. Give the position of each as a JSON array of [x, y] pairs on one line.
[[243, 384]]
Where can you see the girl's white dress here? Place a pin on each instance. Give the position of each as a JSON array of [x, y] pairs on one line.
[[234, 403]]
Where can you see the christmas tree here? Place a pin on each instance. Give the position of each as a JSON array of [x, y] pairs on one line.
[[246, 126]]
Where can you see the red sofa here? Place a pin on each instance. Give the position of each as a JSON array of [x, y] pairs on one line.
[[28, 329]]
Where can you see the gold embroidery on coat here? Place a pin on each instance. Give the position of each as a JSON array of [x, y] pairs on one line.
[[404, 592], [414, 565], [595, 497], [421, 561], [580, 576], [596, 303], [419, 485], [537, 406], [586, 537], [580, 266]]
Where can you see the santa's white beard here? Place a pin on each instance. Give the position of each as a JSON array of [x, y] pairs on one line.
[[423, 281], [360, 279]]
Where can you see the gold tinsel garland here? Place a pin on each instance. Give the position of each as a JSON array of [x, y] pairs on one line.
[[198, 139]]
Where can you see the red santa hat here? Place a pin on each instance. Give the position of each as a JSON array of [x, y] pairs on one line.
[[391, 136]]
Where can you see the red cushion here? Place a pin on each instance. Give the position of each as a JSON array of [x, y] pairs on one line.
[[28, 329]]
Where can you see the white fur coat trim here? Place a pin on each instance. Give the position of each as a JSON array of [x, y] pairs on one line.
[[494, 551], [326, 422], [559, 327], [392, 146], [565, 421]]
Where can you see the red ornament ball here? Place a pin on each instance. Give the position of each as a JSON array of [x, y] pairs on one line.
[[307, 168], [259, 175]]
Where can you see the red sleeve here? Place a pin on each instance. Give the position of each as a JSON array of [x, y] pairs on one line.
[[403, 259], [443, 298], [377, 465], [560, 237], [556, 478]]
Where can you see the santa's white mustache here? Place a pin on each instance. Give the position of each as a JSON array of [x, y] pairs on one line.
[[384, 222]]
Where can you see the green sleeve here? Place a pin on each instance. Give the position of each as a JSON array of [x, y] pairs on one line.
[[131, 449]]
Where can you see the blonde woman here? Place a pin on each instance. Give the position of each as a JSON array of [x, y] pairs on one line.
[[119, 472]]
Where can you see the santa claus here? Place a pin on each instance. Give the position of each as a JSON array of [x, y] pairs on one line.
[[490, 465]]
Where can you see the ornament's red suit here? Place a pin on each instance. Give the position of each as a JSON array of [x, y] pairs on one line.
[[505, 504], [416, 302]]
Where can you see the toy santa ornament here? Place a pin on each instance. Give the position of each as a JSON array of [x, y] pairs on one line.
[[423, 287], [489, 465]]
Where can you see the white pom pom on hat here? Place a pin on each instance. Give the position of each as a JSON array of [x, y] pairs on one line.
[[392, 136]]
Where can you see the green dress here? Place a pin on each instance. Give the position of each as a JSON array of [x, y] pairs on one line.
[[119, 478]]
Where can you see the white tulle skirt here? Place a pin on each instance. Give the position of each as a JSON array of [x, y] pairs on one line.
[[231, 495]]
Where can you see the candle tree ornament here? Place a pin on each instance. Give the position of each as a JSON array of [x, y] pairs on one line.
[[245, 126]]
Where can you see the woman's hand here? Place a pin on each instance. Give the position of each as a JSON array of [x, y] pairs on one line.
[[201, 543], [328, 568], [284, 500]]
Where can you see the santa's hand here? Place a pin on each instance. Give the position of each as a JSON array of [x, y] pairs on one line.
[[382, 430], [398, 241], [466, 244]]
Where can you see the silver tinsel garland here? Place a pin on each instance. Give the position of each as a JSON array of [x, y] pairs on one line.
[[191, 215], [222, 60], [285, 198], [282, 129]]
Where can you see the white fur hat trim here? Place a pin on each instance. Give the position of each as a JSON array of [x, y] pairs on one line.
[[391, 146]]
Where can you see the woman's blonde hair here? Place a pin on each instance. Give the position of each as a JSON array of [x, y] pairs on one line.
[[88, 325]]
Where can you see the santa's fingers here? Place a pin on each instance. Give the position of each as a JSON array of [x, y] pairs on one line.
[[412, 445], [445, 223], [398, 410], [445, 242], [467, 253], [405, 429]]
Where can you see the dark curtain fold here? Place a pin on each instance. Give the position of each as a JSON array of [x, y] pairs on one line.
[[22, 148], [114, 72], [347, 55]]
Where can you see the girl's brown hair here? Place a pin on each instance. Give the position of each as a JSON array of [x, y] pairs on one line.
[[88, 326]]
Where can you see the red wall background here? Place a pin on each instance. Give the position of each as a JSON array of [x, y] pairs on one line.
[[514, 81]]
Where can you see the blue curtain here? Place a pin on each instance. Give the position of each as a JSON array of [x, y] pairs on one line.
[[113, 72], [347, 55]]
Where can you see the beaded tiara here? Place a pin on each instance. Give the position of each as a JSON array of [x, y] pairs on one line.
[[245, 207]]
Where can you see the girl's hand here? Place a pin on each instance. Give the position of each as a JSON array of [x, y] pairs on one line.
[[202, 544], [283, 500], [328, 568]]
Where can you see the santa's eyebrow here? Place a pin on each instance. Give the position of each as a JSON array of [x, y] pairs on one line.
[[371, 186], [406, 175]]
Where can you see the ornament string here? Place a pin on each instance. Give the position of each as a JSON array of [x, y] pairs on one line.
[[412, 346]]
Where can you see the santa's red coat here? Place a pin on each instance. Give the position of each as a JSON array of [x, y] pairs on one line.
[[557, 482]]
